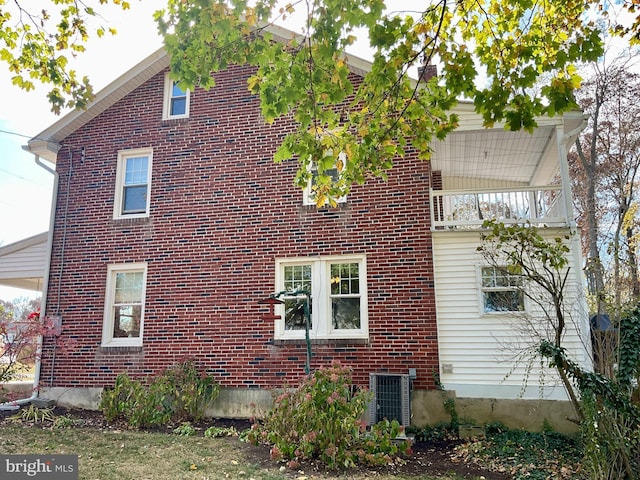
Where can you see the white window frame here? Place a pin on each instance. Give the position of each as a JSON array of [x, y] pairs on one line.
[[108, 340], [308, 198], [482, 290], [168, 97], [118, 204], [321, 298]]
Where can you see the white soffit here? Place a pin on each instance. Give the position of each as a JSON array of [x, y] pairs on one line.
[[492, 154]]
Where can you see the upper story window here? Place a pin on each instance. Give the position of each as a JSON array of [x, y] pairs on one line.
[[501, 290], [124, 304], [309, 193], [332, 291], [133, 183], [176, 100]]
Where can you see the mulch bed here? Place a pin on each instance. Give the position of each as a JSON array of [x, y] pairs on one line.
[[433, 458]]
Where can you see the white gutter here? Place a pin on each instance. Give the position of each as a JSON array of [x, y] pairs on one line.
[[15, 404]]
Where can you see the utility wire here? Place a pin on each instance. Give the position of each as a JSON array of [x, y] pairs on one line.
[[20, 177], [15, 133]]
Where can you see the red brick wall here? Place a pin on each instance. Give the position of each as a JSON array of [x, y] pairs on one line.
[[221, 213]]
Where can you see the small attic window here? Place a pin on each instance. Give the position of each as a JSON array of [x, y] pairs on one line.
[[309, 197], [176, 100]]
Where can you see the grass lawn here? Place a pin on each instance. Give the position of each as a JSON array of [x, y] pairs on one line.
[[111, 454]]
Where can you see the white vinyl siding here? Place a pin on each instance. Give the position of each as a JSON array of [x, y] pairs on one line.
[[477, 350], [22, 263]]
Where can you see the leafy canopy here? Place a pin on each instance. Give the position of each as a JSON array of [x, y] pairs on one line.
[[37, 43], [369, 120]]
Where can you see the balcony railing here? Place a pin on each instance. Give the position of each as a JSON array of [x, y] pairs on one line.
[[461, 209]]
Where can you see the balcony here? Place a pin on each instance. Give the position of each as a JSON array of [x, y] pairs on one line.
[[465, 209]]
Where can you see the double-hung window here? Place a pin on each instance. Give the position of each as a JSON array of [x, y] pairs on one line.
[[133, 183], [176, 100], [124, 304], [309, 193], [501, 290], [327, 293]]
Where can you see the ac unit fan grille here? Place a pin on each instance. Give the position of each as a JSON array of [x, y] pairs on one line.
[[390, 398]]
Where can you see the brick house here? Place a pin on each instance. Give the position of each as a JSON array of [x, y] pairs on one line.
[[172, 223]]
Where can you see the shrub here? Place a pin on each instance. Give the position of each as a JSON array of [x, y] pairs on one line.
[[34, 414], [18, 343], [140, 405], [611, 442], [180, 393], [65, 421], [185, 429], [322, 420]]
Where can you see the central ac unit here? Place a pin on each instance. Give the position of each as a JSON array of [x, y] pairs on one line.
[[390, 398]]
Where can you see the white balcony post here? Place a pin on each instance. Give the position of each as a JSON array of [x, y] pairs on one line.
[[561, 140]]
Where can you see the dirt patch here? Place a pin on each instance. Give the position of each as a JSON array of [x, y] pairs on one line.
[[432, 458]]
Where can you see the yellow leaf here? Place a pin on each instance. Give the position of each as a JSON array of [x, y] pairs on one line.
[[347, 150], [252, 84], [250, 16], [321, 200]]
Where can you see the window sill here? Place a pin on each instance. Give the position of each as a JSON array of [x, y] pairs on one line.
[[311, 207], [134, 220], [339, 342], [509, 312], [176, 119], [119, 349]]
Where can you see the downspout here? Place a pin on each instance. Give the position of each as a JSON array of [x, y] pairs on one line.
[[15, 404]]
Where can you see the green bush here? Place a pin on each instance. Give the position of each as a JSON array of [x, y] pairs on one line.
[[185, 429], [189, 391], [322, 420], [180, 393], [611, 442]]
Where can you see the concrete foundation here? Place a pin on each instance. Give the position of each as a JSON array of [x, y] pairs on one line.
[[86, 398], [427, 407], [241, 403]]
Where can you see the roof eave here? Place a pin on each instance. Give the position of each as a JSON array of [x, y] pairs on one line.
[[47, 143]]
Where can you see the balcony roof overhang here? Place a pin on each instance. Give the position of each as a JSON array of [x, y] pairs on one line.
[[476, 157]]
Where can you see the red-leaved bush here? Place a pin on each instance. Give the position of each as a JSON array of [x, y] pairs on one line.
[[321, 420], [19, 345]]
